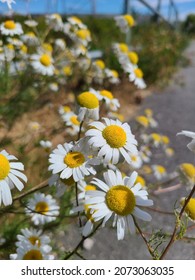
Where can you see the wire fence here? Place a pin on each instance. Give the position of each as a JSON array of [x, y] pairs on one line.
[[164, 12]]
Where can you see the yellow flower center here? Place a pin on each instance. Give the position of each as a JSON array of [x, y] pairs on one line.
[[100, 64], [69, 182], [123, 48], [57, 16], [47, 47], [31, 34], [130, 20], [76, 19], [10, 46], [88, 100], [134, 158], [165, 139], [148, 112], [89, 213], [45, 59], [74, 159], [34, 240], [189, 170], [66, 109], [83, 34], [106, 93], [67, 70], [143, 121], [121, 200], [115, 136], [114, 73], [74, 120], [10, 24], [90, 188], [4, 167], [24, 48], [133, 57], [190, 208], [42, 207], [140, 180], [160, 169], [156, 137], [138, 72], [33, 255]]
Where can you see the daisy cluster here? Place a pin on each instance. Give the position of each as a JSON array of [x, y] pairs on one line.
[[53, 56], [92, 162]]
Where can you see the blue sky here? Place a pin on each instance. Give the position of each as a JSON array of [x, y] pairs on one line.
[[102, 6]]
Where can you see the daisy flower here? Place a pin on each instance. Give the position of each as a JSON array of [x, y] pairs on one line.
[[141, 181], [190, 207], [60, 44], [72, 160], [43, 64], [46, 145], [9, 3], [71, 120], [107, 96], [10, 176], [136, 161], [191, 145], [159, 171], [112, 75], [156, 139], [121, 198], [42, 209], [89, 106], [54, 87], [187, 173], [84, 187], [30, 252], [30, 38], [136, 76], [149, 113], [76, 22], [33, 237], [83, 36], [169, 152], [145, 153], [31, 23], [11, 28], [142, 121], [113, 139], [61, 184], [124, 22], [55, 21], [64, 109]]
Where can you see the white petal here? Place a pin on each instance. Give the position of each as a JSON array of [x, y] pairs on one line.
[[87, 229], [131, 224], [19, 185], [131, 181], [17, 165], [142, 214], [19, 174], [143, 202], [5, 193], [120, 228]]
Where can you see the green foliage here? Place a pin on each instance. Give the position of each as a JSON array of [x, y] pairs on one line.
[[189, 24]]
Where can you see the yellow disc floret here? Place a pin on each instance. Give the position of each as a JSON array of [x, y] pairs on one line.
[[140, 180], [100, 63], [34, 240], [121, 200], [9, 24], [42, 207], [33, 255], [123, 48], [133, 57], [45, 59], [188, 169], [156, 137], [115, 136], [74, 159], [83, 34], [143, 120], [106, 93], [139, 73], [4, 167], [90, 188], [190, 207], [74, 120], [130, 20], [88, 100], [160, 169]]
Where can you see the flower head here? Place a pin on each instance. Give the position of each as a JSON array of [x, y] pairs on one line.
[[113, 139], [121, 198], [10, 176]]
